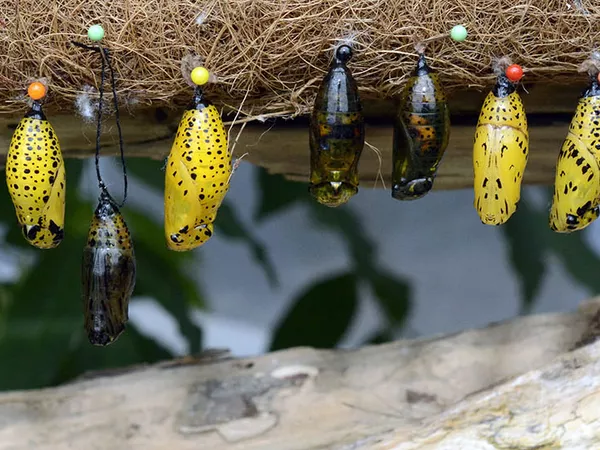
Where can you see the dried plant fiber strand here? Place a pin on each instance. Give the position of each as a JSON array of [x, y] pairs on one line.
[[277, 51]]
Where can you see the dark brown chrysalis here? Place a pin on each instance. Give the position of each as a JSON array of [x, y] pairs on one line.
[[337, 135], [421, 134], [108, 273]]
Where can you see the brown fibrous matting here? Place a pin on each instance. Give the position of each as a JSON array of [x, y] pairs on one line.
[[274, 53]]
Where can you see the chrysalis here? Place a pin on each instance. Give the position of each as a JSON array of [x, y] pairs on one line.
[[108, 266], [35, 175], [500, 153], [197, 175], [421, 134], [337, 135], [577, 182], [108, 273]]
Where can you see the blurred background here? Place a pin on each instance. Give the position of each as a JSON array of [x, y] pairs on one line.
[[282, 271]]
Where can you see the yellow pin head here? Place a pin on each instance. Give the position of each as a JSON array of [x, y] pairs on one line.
[[200, 76]]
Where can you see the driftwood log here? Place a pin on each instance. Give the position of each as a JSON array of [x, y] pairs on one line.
[[529, 383], [282, 146]]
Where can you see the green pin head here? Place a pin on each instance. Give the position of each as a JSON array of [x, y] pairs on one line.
[[458, 33], [96, 33]]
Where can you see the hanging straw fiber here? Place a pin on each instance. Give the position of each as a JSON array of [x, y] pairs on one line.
[[275, 52]]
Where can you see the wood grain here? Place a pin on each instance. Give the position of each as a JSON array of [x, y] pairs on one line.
[[511, 385]]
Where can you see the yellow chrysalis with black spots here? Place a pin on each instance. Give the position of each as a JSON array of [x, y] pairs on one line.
[[108, 273], [577, 181], [500, 153], [197, 175], [35, 176]]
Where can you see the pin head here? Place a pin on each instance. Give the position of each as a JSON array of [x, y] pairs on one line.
[[95, 33], [200, 76], [458, 33], [343, 53], [36, 90], [514, 72]]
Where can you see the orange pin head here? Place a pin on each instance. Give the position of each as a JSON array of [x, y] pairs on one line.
[[36, 90]]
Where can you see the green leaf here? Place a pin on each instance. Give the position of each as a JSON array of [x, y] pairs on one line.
[[277, 193], [393, 295], [320, 315], [379, 337], [527, 247], [131, 348], [148, 171], [44, 308], [33, 347], [578, 259], [230, 225], [344, 221]]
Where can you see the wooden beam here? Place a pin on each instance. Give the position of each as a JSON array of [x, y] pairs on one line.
[[456, 391], [282, 146]]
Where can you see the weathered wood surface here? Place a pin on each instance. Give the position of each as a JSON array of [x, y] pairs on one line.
[[283, 147], [450, 392]]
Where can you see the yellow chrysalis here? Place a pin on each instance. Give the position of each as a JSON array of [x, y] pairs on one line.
[[197, 175], [577, 181], [35, 176], [500, 153]]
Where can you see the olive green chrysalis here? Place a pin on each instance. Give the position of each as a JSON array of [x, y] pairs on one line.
[[337, 134], [421, 134]]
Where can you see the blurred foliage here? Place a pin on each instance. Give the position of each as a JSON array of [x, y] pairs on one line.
[[531, 242], [41, 322], [42, 325], [305, 316], [325, 309], [526, 252]]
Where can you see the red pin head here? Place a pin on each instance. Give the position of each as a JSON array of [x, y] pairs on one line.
[[514, 72]]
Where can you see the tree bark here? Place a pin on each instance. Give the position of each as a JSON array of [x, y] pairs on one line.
[[527, 383]]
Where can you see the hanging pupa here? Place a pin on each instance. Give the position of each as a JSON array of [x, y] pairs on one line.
[[198, 171], [337, 134], [108, 273], [35, 176], [500, 150], [108, 267], [577, 181], [421, 134]]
